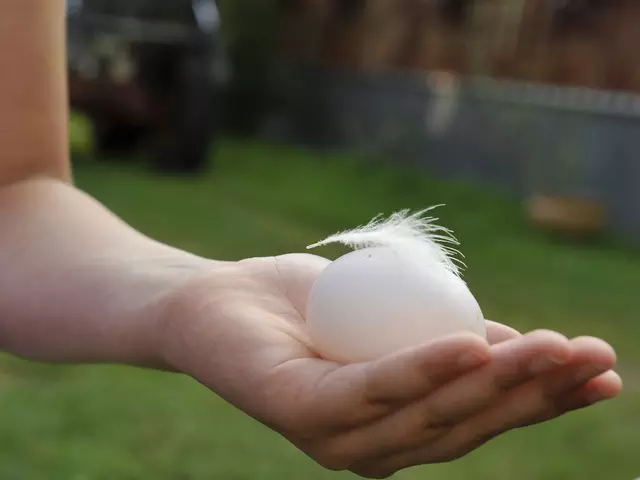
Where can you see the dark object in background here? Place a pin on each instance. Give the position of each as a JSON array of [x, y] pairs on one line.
[[252, 28], [454, 12], [148, 73]]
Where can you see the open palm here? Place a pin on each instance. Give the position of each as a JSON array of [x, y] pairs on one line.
[[239, 330]]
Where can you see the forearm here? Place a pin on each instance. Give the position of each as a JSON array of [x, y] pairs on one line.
[[76, 283], [33, 95]]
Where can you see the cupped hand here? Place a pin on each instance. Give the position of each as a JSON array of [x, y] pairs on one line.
[[239, 330]]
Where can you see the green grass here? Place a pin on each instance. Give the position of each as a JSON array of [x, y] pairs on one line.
[[119, 423]]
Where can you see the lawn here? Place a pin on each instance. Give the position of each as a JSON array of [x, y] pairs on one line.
[[118, 423]]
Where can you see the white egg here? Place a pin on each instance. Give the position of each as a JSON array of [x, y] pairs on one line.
[[375, 301]]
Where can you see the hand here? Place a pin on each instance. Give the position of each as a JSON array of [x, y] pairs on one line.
[[239, 330]]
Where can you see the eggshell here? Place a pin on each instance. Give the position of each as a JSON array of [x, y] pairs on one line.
[[375, 301]]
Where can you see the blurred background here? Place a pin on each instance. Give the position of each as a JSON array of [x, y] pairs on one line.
[[255, 127]]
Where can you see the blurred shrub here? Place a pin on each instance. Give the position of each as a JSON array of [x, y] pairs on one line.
[[80, 135]]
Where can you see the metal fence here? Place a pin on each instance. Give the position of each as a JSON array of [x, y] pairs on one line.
[[522, 138]]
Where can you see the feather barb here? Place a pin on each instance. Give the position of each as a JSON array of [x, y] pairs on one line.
[[403, 228]]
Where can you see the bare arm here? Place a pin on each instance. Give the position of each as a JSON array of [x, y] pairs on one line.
[[76, 283], [33, 98]]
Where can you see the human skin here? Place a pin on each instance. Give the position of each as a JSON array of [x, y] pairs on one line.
[[78, 285]]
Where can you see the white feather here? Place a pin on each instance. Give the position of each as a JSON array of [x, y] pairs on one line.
[[403, 229]]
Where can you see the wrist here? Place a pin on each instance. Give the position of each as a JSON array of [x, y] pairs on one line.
[[78, 284], [158, 320], [194, 310]]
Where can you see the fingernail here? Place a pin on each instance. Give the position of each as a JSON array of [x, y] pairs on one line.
[[544, 364], [470, 360], [586, 373]]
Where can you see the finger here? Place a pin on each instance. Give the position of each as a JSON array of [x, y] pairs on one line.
[[581, 382], [604, 387], [414, 373], [342, 397], [435, 414], [498, 333], [514, 363], [589, 357], [584, 381], [599, 389], [546, 397]]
